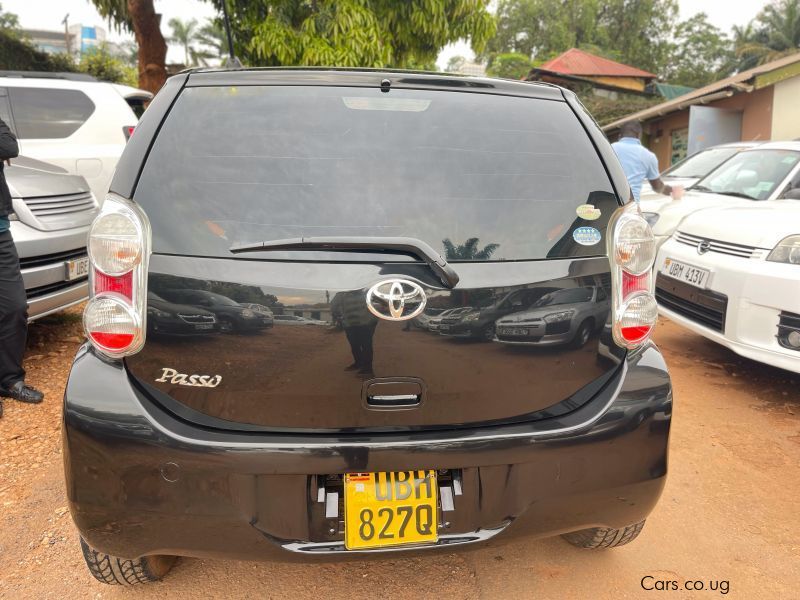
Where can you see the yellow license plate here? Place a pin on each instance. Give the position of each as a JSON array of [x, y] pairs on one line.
[[389, 509]]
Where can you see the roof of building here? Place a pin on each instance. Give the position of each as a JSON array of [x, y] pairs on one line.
[[671, 91], [741, 82], [580, 62]]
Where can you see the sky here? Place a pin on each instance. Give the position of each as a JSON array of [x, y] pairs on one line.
[[49, 14]]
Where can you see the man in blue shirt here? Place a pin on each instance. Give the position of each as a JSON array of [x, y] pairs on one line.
[[639, 163], [13, 303]]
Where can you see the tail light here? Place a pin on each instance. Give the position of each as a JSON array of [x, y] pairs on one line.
[[118, 247], [632, 252], [127, 131]]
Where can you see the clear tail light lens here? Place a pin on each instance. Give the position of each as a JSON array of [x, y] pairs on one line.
[[632, 253], [119, 248]]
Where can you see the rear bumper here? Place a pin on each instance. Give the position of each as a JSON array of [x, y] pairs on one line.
[[140, 481]]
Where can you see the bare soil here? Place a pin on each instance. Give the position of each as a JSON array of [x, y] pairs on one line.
[[729, 514]]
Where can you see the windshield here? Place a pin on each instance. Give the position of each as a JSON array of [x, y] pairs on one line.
[[568, 296], [753, 174], [219, 299], [701, 164], [476, 176]]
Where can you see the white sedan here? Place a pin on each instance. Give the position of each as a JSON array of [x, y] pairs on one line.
[[733, 276], [761, 173]]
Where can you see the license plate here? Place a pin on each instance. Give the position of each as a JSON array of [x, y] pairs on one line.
[[444, 327], [390, 509], [204, 326], [513, 331], [77, 268], [687, 273]]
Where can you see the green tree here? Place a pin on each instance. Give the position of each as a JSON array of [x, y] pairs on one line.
[[9, 23], [455, 63], [140, 17], [211, 37], [468, 250], [101, 63], [510, 65], [776, 34], [354, 33], [701, 53], [186, 34]]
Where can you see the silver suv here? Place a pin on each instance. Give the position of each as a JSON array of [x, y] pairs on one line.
[[51, 218]]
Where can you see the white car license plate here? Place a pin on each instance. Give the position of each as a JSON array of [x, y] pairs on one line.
[[686, 273], [204, 326], [77, 268]]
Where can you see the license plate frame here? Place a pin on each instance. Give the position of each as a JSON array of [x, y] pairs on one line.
[[76, 268], [402, 510], [687, 273], [203, 326]]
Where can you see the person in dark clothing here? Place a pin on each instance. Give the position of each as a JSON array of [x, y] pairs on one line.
[[13, 304]]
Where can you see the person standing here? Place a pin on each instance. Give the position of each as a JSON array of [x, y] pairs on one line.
[[13, 303], [639, 163]]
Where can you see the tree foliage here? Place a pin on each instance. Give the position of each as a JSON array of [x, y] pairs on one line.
[[775, 34], [510, 65], [700, 54], [354, 33], [101, 63], [469, 250]]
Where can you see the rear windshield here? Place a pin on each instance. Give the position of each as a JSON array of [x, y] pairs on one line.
[[477, 176]]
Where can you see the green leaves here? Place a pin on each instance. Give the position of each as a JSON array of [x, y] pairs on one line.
[[354, 33]]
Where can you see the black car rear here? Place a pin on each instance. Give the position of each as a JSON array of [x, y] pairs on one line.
[[360, 201]]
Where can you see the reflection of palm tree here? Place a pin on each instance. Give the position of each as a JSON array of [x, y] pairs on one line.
[[213, 36], [468, 250], [185, 33], [778, 36]]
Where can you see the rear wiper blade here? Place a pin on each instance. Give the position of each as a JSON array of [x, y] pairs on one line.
[[395, 245]]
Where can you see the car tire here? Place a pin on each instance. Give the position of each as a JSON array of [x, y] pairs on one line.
[[226, 325], [487, 333], [123, 571], [582, 335], [599, 538]]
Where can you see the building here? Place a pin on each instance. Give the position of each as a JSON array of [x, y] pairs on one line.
[[76, 40], [607, 78], [759, 104]]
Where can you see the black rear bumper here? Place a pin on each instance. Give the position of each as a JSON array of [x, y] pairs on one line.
[[141, 481]]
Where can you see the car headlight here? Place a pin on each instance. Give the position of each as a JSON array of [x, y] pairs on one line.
[[556, 317], [471, 317], [651, 218], [158, 313], [248, 314], [788, 251]]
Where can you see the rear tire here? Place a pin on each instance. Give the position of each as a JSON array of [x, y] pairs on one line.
[[226, 325], [600, 538], [122, 571]]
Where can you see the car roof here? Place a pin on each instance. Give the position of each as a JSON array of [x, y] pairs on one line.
[[404, 79], [789, 145]]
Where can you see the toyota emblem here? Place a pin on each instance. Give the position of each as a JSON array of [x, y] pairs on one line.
[[703, 247], [396, 299]]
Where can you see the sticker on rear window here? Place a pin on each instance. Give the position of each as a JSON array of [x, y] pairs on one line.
[[586, 236], [588, 212]]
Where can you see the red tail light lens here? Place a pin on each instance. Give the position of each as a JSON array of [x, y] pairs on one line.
[[119, 245], [632, 253], [127, 131]]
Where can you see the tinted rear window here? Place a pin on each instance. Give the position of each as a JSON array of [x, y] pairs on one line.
[[41, 113], [476, 176]]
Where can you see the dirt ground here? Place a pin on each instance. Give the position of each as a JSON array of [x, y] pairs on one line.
[[728, 518]]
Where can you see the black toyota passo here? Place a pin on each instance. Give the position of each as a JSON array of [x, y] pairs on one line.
[[356, 200]]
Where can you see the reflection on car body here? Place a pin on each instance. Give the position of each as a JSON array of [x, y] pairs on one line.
[[168, 318], [567, 316], [231, 316], [435, 323], [264, 311], [296, 320]]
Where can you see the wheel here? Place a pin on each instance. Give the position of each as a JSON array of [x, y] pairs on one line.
[[122, 571], [598, 538], [487, 333], [226, 325], [582, 335]]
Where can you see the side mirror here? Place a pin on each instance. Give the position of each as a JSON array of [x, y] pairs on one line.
[[792, 194]]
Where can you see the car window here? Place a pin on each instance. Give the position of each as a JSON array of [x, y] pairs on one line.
[[477, 176], [753, 174], [701, 163], [42, 113], [566, 296]]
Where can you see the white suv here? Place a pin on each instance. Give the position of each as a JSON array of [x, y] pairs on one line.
[[71, 120]]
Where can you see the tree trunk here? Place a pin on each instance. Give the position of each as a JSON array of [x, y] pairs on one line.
[[152, 47]]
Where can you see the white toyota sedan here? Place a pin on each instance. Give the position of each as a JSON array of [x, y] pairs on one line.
[[733, 276], [761, 173]]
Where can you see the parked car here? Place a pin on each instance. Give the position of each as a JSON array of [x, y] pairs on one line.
[[71, 120], [733, 276], [330, 184], [231, 316], [263, 310], [693, 168], [566, 316], [168, 318], [434, 323], [50, 222], [296, 320], [762, 173], [478, 322]]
